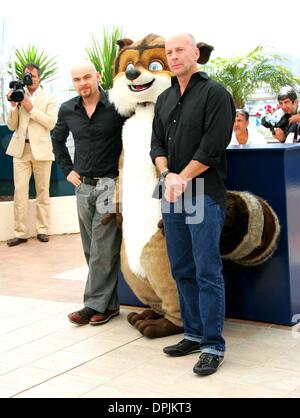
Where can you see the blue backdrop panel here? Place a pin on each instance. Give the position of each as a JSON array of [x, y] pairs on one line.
[[6, 167], [270, 292], [59, 186], [126, 295]]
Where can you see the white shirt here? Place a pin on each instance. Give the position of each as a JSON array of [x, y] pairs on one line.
[[254, 138], [32, 98]]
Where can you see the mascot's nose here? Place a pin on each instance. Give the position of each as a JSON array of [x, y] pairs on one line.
[[132, 74]]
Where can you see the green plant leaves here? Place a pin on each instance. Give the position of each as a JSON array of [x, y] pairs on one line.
[[32, 54], [103, 55], [243, 75]]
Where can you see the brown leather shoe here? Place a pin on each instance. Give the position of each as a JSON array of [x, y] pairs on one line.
[[43, 237], [82, 317], [102, 318], [16, 241]]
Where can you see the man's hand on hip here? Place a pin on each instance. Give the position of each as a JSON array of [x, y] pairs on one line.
[[74, 178]]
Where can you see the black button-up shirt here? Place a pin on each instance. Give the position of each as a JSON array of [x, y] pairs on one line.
[[97, 140], [195, 126]]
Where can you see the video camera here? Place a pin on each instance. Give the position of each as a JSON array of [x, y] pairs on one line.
[[276, 120], [17, 87]]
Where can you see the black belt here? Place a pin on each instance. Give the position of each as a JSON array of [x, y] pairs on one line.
[[27, 141], [89, 180], [92, 181]]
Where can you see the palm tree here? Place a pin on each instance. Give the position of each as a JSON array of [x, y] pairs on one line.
[[32, 55], [243, 75], [103, 56]]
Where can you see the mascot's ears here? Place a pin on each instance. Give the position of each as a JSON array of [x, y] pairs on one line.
[[205, 51], [123, 43]]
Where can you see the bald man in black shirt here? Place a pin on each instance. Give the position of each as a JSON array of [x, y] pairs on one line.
[[191, 130], [96, 129]]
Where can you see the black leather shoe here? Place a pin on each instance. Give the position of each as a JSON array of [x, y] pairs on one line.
[[16, 241], [183, 348], [43, 237], [208, 364]]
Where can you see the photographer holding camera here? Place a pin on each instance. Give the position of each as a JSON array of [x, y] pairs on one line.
[[32, 115], [289, 103]]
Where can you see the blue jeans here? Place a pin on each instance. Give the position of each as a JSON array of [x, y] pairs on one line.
[[196, 265]]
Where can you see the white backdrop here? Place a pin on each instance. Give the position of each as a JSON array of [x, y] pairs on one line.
[[64, 28]]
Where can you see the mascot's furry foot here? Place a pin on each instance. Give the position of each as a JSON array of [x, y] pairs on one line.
[[133, 317], [157, 328]]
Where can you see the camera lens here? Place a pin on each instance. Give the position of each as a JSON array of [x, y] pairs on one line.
[[17, 96], [27, 79]]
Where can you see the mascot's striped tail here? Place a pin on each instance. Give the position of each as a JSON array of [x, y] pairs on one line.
[[251, 231]]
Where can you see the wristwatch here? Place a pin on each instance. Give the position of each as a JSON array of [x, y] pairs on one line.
[[163, 176], [158, 191]]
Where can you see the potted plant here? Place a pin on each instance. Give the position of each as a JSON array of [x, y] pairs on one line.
[[242, 75], [103, 55], [32, 54]]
